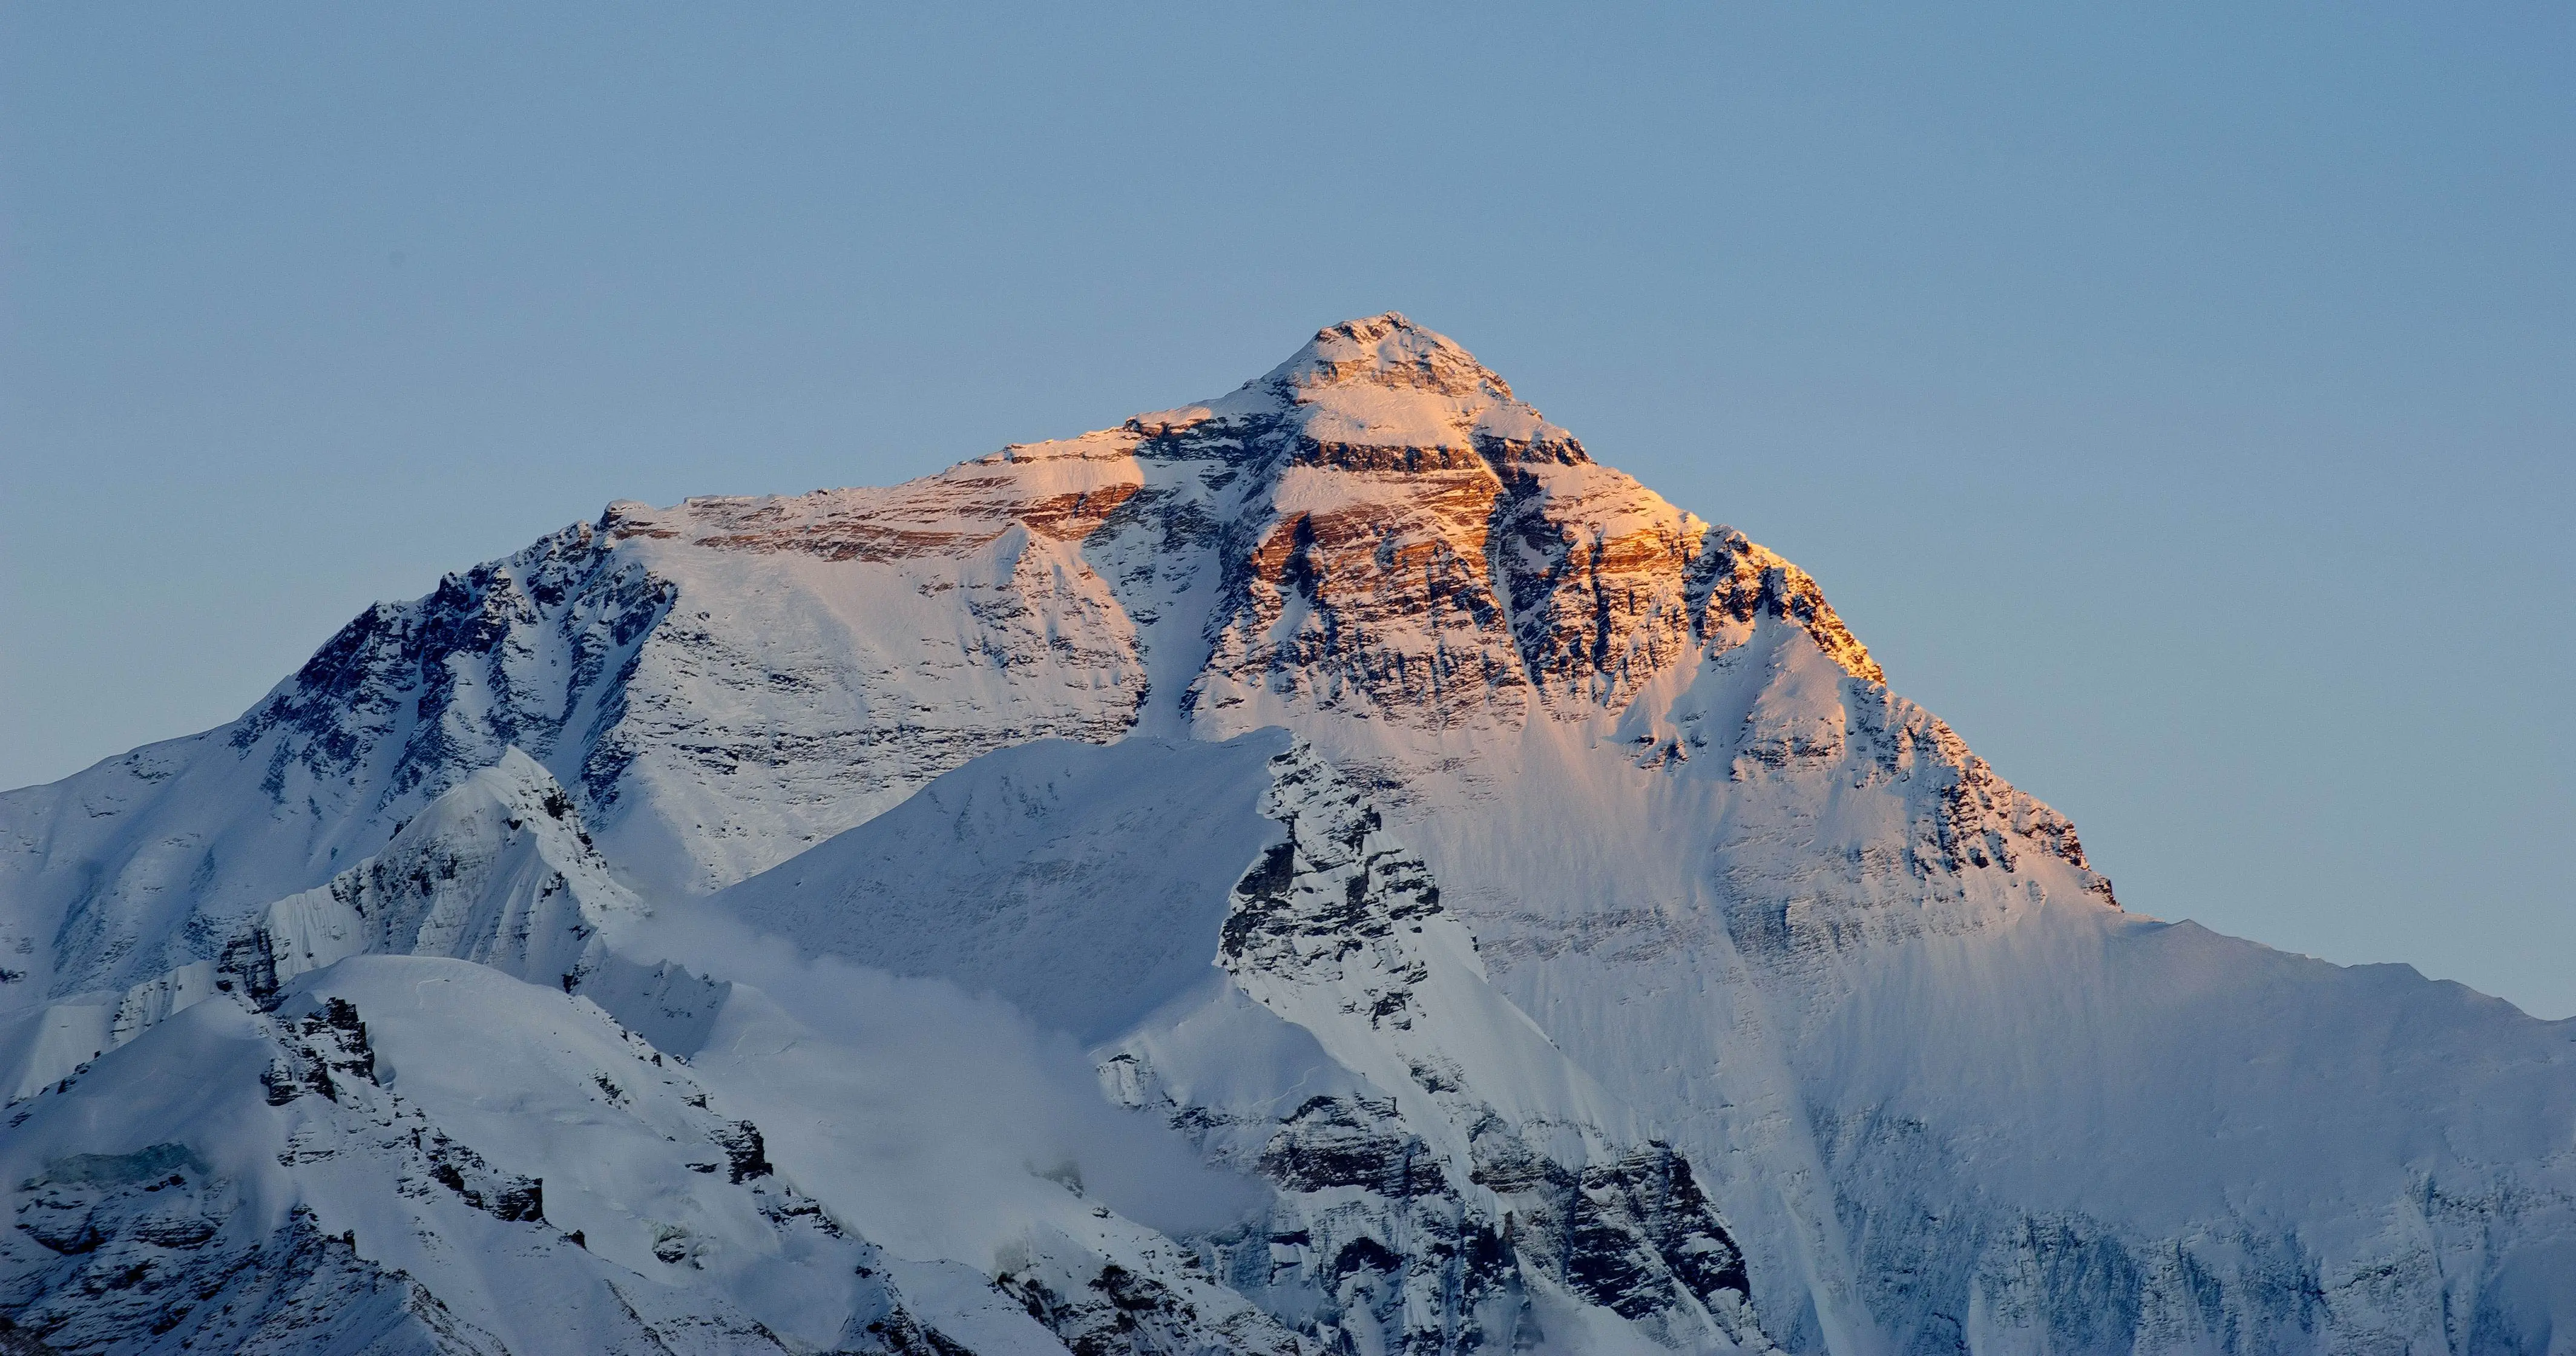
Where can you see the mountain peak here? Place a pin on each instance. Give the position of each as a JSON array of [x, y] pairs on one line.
[[1391, 352], [1576, 947], [1380, 382]]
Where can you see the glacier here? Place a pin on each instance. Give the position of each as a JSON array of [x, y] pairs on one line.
[[1328, 869]]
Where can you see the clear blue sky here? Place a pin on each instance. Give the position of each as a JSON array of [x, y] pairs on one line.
[[2178, 398]]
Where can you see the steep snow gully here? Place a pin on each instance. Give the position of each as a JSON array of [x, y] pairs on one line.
[[1331, 869]]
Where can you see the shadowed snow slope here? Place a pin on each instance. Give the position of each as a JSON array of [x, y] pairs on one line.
[[1331, 868], [1084, 884]]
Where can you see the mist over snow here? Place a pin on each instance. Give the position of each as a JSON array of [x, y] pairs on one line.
[[898, 1091]]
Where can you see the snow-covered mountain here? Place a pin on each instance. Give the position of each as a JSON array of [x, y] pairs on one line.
[[1329, 869]]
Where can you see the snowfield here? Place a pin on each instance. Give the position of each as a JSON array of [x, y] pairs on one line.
[[1331, 869]]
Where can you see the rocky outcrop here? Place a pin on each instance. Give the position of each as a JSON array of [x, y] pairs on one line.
[[407, 699], [153, 1256], [1097, 1307], [1414, 1214], [1398, 535], [171, 1247], [498, 870]]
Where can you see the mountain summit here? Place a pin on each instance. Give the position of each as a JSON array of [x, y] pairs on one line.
[[1328, 869], [1387, 384]]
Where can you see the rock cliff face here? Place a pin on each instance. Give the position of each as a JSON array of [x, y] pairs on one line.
[[1504, 912], [1418, 1213], [1396, 535], [344, 1210]]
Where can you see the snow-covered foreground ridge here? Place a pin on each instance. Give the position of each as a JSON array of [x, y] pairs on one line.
[[1329, 869]]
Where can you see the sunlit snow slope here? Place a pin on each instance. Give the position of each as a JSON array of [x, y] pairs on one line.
[[1328, 869]]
